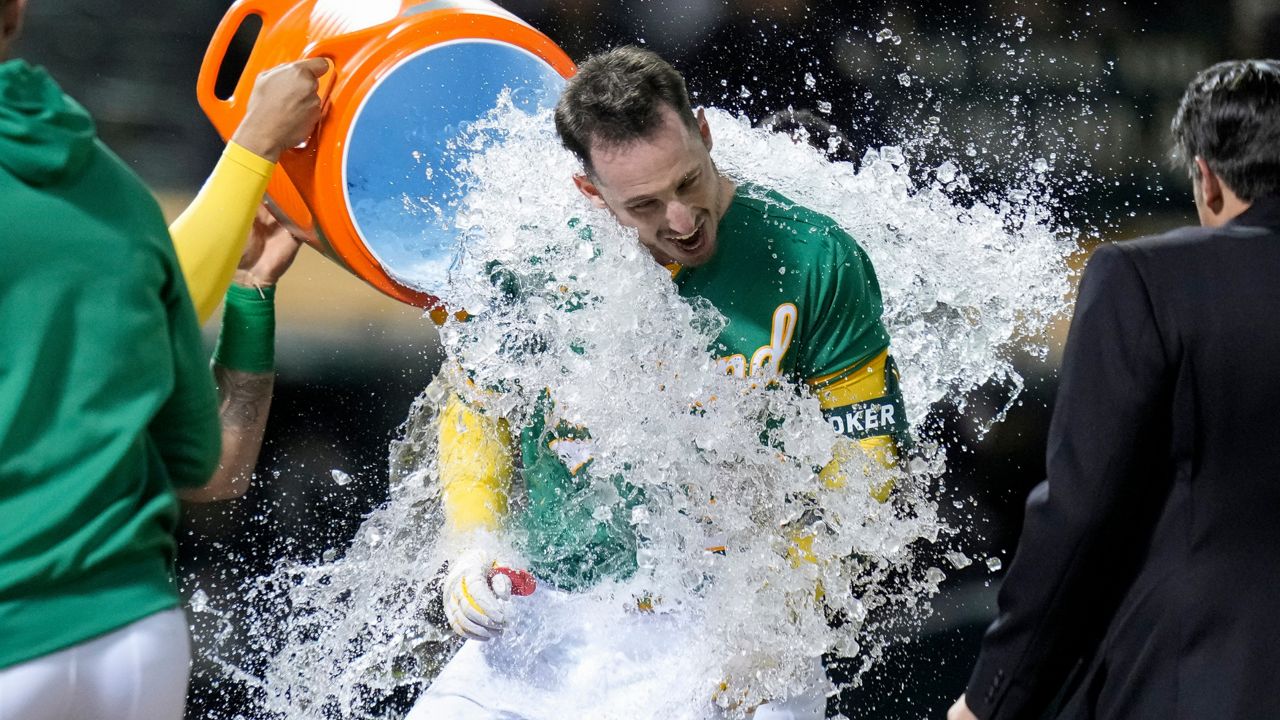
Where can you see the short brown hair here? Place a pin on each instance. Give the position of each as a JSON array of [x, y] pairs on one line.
[[617, 97]]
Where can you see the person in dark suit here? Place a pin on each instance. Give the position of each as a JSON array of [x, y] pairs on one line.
[[1145, 582]]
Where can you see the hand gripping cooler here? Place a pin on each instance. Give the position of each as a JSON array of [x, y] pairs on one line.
[[373, 181]]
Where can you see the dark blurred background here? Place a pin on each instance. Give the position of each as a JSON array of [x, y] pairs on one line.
[[1089, 86]]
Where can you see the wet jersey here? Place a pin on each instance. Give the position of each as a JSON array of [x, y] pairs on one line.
[[801, 299]]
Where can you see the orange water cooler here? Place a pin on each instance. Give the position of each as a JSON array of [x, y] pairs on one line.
[[374, 180]]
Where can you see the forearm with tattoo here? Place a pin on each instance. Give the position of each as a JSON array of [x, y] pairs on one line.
[[244, 398], [244, 402]]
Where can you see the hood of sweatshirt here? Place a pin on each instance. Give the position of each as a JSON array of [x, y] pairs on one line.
[[45, 136]]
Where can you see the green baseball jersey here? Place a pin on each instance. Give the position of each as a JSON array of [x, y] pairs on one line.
[[802, 301]]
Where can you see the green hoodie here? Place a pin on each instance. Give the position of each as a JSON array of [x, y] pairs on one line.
[[106, 399]]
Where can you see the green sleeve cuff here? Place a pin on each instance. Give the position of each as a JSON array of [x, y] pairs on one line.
[[247, 340]]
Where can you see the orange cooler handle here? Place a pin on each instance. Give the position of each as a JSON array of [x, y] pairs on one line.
[[226, 114]]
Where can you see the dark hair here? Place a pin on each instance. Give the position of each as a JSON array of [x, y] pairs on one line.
[[617, 98], [807, 126], [1230, 117]]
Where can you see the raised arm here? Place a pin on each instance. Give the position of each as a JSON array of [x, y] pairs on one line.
[[244, 361], [209, 235]]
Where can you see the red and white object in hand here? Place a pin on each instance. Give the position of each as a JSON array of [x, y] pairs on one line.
[[521, 582], [477, 595]]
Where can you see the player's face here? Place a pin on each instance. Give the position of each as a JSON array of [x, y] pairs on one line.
[[666, 187]]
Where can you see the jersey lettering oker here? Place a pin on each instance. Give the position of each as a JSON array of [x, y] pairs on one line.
[[802, 301]]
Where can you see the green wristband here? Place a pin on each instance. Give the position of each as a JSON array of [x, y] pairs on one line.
[[247, 341]]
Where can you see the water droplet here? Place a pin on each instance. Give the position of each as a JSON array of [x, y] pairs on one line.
[[640, 515], [199, 601], [858, 611], [934, 576], [994, 564], [1040, 166], [340, 477], [959, 560], [893, 155], [946, 172], [810, 81], [905, 79], [883, 35], [824, 107]]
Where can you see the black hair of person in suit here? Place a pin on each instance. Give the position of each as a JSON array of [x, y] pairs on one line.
[[1223, 119]]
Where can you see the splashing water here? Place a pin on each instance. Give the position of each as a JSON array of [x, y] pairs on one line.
[[566, 301]]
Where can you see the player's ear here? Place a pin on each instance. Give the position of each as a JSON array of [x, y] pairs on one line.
[[588, 187], [1210, 186], [704, 129]]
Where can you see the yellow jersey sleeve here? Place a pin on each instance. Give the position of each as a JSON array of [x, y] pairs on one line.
[[865, 407], [209, 236], [476, 468]]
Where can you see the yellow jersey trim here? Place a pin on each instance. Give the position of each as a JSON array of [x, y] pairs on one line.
[[858, 384]]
